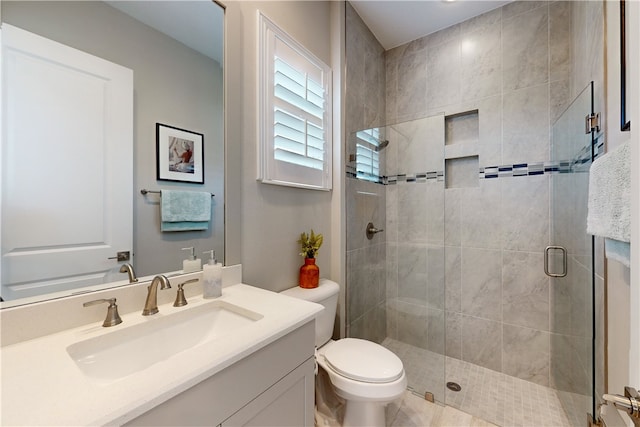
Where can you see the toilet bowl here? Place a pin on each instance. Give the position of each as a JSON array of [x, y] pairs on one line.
[[365, 374]]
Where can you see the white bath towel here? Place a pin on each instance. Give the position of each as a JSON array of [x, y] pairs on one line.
[[609, 213], [610, 195]]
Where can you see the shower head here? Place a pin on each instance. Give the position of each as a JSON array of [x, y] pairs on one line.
[[382, 146]]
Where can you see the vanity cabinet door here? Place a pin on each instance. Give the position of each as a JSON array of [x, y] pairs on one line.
[[286, 403], [273, 386]]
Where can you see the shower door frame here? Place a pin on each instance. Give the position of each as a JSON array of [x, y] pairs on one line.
[[592, 127]]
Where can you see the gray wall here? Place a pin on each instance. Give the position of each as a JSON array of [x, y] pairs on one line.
[[271, 217], [165, 91]]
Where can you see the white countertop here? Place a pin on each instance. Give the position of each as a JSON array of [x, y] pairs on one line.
[[42, 385]]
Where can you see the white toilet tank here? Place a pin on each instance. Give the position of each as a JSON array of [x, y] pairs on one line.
[[326, 294]]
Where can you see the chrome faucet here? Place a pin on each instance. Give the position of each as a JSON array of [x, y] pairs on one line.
[[151, 305], [128, 268]]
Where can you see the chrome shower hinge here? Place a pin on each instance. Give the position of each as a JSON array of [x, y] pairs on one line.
[[592, 123]]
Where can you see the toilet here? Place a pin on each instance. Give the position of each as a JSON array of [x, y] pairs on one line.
[[365, 374]]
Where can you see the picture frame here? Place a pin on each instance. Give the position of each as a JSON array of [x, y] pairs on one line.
[[179, 154]]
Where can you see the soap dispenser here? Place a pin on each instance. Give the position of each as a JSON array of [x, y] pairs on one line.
[[192, 263], [212, 277]]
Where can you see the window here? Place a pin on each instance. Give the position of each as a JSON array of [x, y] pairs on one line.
[[295, 112]]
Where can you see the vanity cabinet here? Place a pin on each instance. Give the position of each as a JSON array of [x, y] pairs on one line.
[[283, 404], [273, 386]]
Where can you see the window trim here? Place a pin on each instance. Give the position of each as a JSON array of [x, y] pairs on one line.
[[271, 171]]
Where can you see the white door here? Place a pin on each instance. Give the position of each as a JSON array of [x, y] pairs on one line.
[[67, 165]]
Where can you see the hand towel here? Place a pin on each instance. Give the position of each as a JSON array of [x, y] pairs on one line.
[[185, 210], [609, 205]]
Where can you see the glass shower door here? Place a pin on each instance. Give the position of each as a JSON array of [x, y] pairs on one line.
[[416, 252], [570, 262], [395, 278]]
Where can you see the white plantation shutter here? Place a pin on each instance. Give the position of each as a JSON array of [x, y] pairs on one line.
[[295, 116]]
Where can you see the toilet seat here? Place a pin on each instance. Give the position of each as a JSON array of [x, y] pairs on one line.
[[362, 360]]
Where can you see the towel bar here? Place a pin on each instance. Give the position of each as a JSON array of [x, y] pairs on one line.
[[144, 191]]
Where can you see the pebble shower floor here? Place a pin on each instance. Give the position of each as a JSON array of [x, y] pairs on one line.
[[492, 396]]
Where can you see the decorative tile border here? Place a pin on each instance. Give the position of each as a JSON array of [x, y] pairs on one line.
[[434, 176], [373, 179], [525, 169], [579, 164]]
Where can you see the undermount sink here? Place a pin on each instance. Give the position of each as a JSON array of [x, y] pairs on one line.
[[125, 351]]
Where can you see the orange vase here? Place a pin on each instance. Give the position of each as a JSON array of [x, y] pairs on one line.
[[309, 274]]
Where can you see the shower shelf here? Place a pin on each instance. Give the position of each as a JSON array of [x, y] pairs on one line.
[[462, 128], [457, 151], [462, 132], [462, 172]]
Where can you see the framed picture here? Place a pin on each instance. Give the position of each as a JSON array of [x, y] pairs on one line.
[[179, 154]]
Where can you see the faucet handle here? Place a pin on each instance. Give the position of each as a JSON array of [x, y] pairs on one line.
[[180, 299], [113, 318]]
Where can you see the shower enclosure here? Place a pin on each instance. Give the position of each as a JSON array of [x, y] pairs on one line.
[[454, 281]]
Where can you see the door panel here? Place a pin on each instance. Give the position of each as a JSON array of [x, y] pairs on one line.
[[66, 163], [572, 296]]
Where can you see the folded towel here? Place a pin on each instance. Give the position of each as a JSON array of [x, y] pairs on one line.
[[609, 209], [185, 210], [619, 251]]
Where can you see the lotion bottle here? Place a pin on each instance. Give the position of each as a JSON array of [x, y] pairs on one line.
[[192, 263], [212, 277]]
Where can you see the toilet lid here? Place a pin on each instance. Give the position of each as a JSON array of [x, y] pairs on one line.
[[363, 360]]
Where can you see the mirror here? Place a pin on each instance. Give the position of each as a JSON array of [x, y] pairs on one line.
[[175, 52]]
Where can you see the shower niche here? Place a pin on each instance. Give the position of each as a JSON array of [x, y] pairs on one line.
[[461, 172], [462, 128], [462, 132]]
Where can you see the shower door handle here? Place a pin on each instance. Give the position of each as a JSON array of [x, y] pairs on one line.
[[564, 261]]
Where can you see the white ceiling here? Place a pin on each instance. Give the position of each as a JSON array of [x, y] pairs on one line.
[[395, 23]]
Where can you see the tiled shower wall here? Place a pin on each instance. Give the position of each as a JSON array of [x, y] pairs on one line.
[[512, 65], [519, 66], [366, 201]]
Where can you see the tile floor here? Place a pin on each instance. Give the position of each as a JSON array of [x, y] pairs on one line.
[[486, 396], [414, 411]]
